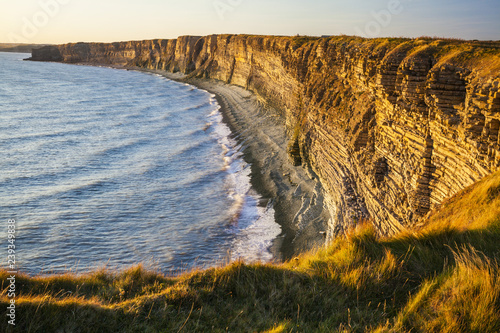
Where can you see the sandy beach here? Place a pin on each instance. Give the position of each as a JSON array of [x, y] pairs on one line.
[[295, 192]]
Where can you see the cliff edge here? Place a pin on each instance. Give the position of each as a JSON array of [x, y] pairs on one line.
[[391, 126]]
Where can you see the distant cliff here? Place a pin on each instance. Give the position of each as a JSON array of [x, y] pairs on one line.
[[19, 48], [391, 126]]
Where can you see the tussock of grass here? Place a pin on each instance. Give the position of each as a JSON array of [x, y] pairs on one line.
[[444, 277]]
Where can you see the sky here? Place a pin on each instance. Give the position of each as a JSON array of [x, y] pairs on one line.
[[64, 21]]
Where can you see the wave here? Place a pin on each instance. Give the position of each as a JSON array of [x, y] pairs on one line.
[[44, 135], [190, 149], [254, 227], [118, 149], [72, 190], [198, 180], [195, 107], [253, 242], [236, 210]]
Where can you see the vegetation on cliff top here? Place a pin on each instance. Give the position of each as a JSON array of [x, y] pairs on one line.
[[483, 56], [444, 277]]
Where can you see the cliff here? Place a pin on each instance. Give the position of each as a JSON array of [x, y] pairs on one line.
[[19, 48], [391, 127]]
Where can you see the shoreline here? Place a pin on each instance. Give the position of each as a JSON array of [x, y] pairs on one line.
[[296, 193]]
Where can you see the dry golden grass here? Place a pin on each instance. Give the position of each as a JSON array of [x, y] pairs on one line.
[[475, 208], [441, 278]]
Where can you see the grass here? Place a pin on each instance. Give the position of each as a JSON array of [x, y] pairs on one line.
[[298, 41], [483, 57], [444, 277]]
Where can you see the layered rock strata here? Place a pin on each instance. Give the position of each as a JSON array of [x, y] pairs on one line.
[[391, 127]]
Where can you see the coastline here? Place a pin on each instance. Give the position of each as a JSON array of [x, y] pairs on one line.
[[295, 191]]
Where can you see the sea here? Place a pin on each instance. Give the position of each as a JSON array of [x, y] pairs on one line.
[[110, 168]]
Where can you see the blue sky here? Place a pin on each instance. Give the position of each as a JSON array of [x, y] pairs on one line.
[[62, 21]]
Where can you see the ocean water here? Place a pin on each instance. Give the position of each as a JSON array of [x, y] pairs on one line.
[[105, 167]]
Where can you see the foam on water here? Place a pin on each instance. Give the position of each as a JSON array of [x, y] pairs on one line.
[[253, 225]]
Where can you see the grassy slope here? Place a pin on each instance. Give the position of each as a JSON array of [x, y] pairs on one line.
[[442, 278]]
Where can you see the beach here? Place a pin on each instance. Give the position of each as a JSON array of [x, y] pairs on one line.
[[295, 191]]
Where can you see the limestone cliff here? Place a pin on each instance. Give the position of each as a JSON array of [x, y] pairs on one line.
[[392, 127]]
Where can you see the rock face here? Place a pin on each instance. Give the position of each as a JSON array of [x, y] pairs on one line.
[[391, 126]]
